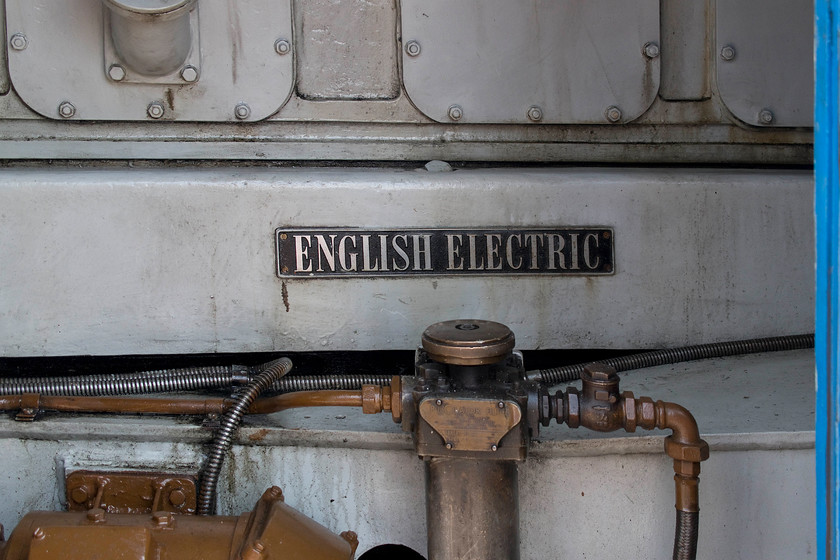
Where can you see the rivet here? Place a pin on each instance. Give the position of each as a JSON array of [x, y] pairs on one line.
[[412, 48], [116, 72], [727, 53], [501, 404], [493, 448], [651, 50], [18, 41], [438, 402], [613, 114], [189, 73], [282, 46], [155, 109], [242, 111], [79, 495], [455, 112], [535, 114], [66, 109], [765, 116]]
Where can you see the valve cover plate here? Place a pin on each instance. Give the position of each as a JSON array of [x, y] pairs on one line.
[[471, 424]]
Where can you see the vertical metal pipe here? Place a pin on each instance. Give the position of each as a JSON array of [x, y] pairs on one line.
[[827, 210], [472, 509]]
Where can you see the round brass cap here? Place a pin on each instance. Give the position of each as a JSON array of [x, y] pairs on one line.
[[468, 342]]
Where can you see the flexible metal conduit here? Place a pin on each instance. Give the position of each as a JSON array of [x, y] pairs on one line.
[[323, 382], [566, 374], [156, 381], [272, 371], [685, 537]]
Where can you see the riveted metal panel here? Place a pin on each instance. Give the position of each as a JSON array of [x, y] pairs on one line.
[[497, 59], [65, 45], [765, 65]]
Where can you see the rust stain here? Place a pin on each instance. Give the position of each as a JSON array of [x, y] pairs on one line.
[[284, 291], [259, 435], [170, 99]]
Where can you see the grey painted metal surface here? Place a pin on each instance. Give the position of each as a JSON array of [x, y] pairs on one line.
[[357, 472], [685, 51], [498, 59], [63, 62], [158, 260], [761, 49], [346, 50]]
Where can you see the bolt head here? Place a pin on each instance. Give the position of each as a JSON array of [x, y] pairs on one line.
[[448, 445], [412, 48], [66, 109], [651, 50], [189, 73], [18, 41], [282, 46], [493, 448], [155, 109], [727, 53], [455, 112], [242, 111], [116, 72], [535, 114], [177, 497], [613, 114], [765, 116], [79, 495]]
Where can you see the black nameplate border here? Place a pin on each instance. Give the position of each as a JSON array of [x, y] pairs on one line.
[[340, 252]]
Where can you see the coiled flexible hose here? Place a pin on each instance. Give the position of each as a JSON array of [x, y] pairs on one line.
[[271, 372], [685, 536], [157, 381], [566, 374], [325, 382]]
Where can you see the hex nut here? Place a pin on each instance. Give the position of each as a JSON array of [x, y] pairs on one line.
[[79, 495], [765, 116], [66, 109], [189, 73], [455, 112], [651, 50], [18, 41], [163, 518], [412, 48], [155, 109], [116, 72], [282, 46], [96, 515], [535, 114], [613, 114], [177, 497], [242, 111], [727, 53]]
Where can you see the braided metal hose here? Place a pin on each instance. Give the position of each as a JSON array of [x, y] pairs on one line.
[[156, 381], [230, 422], [685, 536], [322, 382], [566, 374]]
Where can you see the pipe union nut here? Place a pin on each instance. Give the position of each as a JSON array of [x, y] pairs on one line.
[[572, 408], [629, 411], [693, 452]]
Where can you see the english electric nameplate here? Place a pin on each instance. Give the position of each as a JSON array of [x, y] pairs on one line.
[[337, 252]]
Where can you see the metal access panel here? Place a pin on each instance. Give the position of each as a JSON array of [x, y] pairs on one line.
[[64, 64], [521, 61], [765, 64]]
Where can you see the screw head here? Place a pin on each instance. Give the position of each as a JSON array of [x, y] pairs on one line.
[[412, 48], [189, 73], [66, 109], [765, 116], [727, 53], [282, 46], [242, 111], [448, 445], [493, 448], [155, 109], [18, 41], [455, 112], [651, 50], [535, 114], [439, 402], [501, 404], [116, 72], [613, 114]]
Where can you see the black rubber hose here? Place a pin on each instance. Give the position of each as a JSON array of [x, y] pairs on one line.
[[566, 374], [685, 536], [157, 381], [230, 422]]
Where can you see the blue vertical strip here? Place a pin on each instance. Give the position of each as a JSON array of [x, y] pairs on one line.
[[827, 301]]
